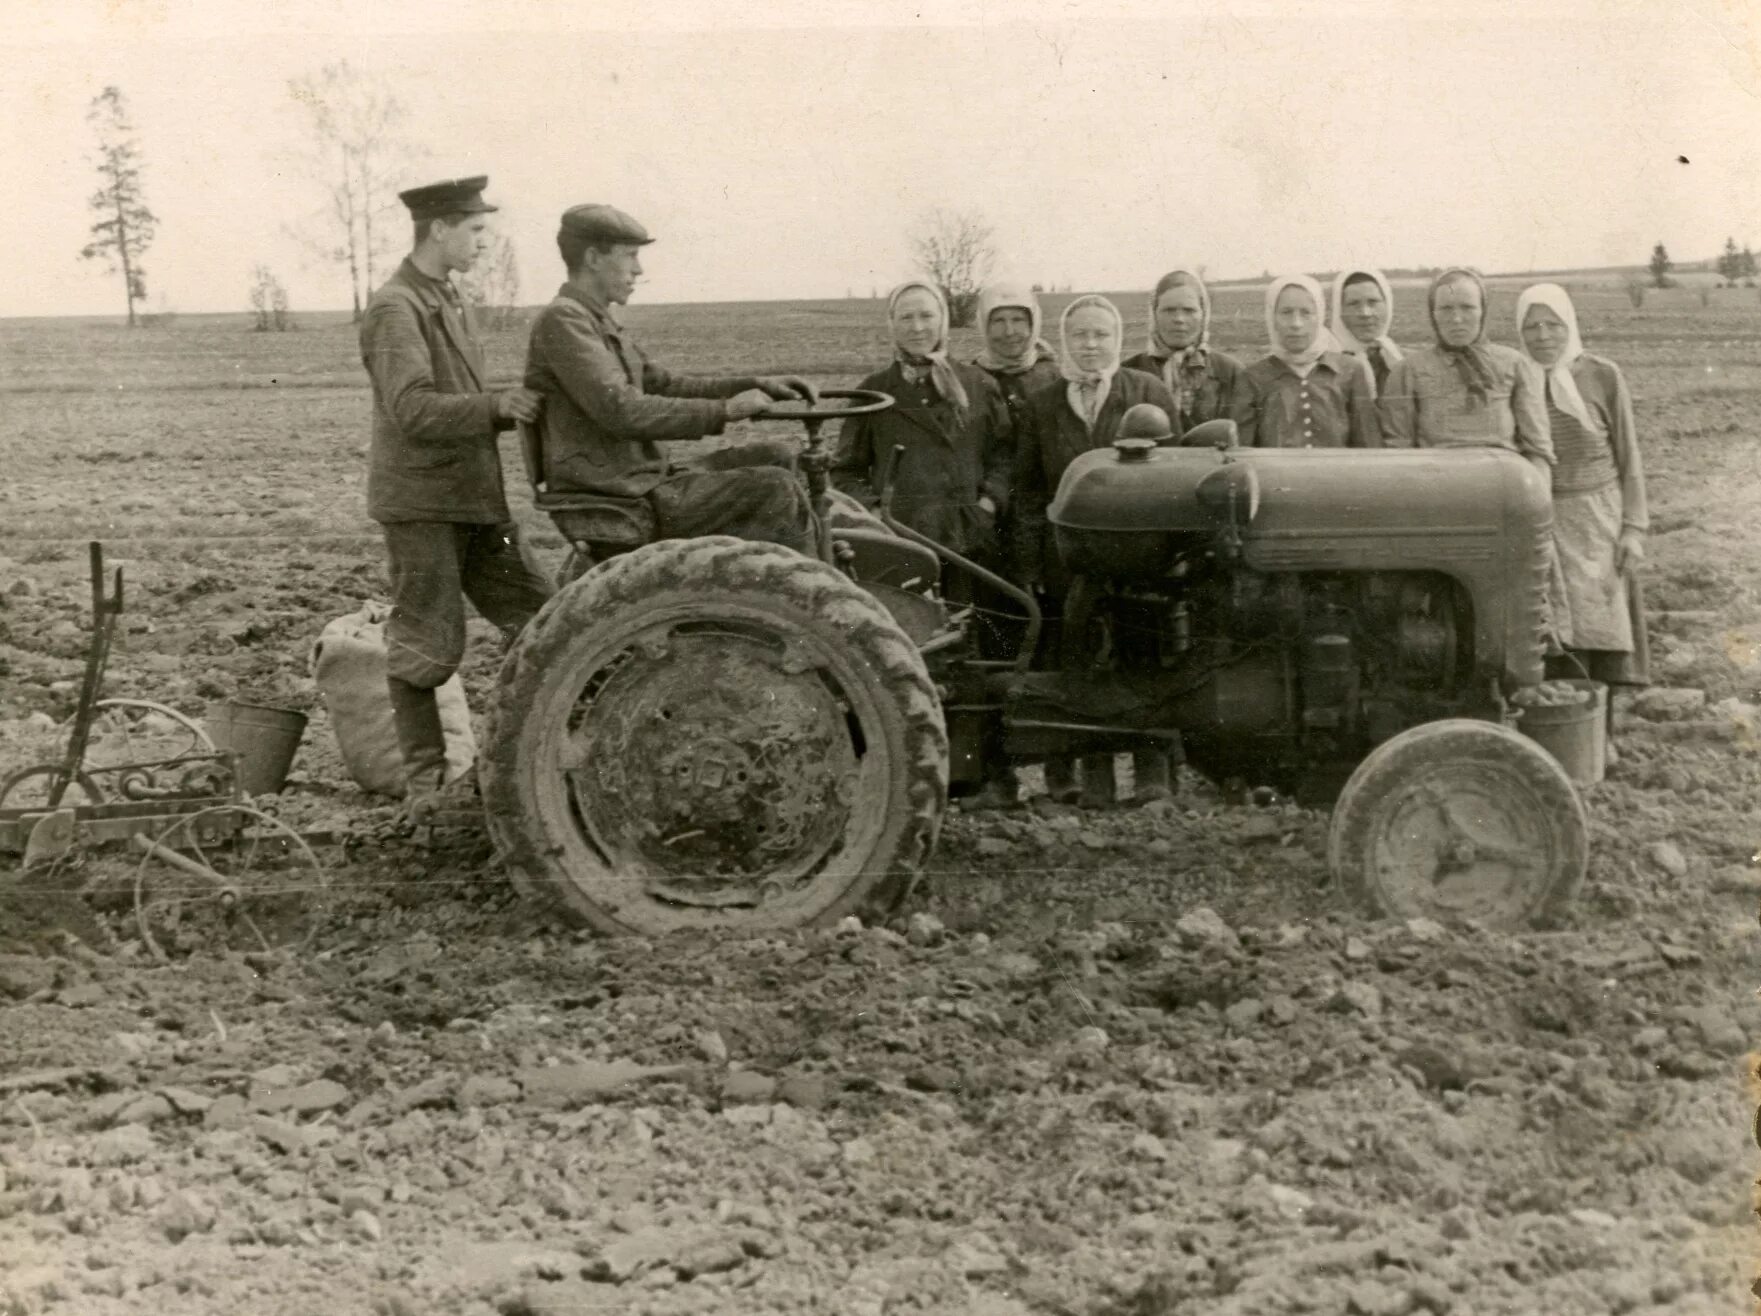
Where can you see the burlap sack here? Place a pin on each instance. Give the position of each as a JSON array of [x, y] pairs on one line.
[[348, 666]]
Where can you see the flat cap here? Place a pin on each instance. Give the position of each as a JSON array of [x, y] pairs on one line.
[[455, 196], [600, 223]]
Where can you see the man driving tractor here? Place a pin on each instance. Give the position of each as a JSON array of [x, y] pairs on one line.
[[607, 405]]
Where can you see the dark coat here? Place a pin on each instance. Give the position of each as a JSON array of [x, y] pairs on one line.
[[434, 455], [946, 466], [1204, 395], [1022, 384], [1053, 437], [606, 404]]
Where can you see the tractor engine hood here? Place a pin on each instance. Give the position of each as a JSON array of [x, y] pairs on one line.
[[1481, 516], [1124, 512]]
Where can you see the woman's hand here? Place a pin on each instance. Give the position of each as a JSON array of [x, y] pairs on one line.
[[1629, 550]]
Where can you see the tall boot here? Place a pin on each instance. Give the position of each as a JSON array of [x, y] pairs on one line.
[[1149, 770], [1099, 790], [421, 740]]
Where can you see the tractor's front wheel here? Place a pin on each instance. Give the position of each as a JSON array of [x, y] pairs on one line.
[[1461, 819], [714, 733]]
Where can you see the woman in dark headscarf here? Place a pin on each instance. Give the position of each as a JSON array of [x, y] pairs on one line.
[[1306, 393], [951, 483], [1464, 391], [1180, 353], [1599, 507], [1363, 308], [1078, 413]]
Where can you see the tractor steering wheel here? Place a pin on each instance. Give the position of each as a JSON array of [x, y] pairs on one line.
[[866, 402]]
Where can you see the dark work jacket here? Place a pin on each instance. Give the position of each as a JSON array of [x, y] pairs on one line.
[[1205, 394], [606, 404], [1053, 437], [434, 456], [945, 466], [1021, 385]]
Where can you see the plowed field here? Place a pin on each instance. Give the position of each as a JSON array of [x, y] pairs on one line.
[[1126, 1062]]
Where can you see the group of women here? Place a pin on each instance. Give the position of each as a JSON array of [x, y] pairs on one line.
[[986, 442]]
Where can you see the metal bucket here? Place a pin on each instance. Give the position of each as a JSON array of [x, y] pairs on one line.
[[263, 741], [1575, 734]]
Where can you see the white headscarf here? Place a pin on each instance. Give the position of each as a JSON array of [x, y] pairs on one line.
[[1174, 359], [1100, 381], [1348, 341], [1301, 362], [1009, 296], [941, 371], [1559, 377]]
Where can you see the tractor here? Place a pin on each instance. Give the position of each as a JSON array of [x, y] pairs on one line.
[[720, 733]]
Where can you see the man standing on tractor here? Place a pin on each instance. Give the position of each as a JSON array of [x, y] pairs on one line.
[[434, 480], [607, 406]]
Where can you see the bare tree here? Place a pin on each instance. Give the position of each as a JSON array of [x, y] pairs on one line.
[[493, 285], [356, 150], [269, 301], [957, 250], [124, 226]]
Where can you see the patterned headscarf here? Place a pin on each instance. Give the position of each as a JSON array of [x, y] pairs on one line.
[[1473, 362], [1009, 296], [1175, 359], [1348, 341], [1303, 361], [1099, 381], [1560, 383], [936, 365]]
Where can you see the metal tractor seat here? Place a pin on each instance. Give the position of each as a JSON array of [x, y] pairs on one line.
[[598, 525]]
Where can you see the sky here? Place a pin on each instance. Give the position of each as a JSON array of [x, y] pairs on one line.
[[785, 149]]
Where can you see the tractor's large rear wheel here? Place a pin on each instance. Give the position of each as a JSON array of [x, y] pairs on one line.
[[714, 733], [1461, 819]]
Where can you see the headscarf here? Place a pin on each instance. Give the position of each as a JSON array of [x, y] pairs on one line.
[[1175, 359], [1348, 341], [1100, 381], [940, 370], [1301, 362], [1001, 296], [1473, 362], [1563, 386]]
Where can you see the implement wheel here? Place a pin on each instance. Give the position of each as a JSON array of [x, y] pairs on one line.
[[1461, 819], [714, 733]]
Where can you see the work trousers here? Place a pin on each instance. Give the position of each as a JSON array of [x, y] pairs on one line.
[[749, 490], [435, 567]]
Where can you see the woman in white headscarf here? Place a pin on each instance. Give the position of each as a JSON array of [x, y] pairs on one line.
[[1079, 412], [1015, 355], [1363, 308], [951, 482], [1599, 509], [1180, 353], [1305, 393]]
